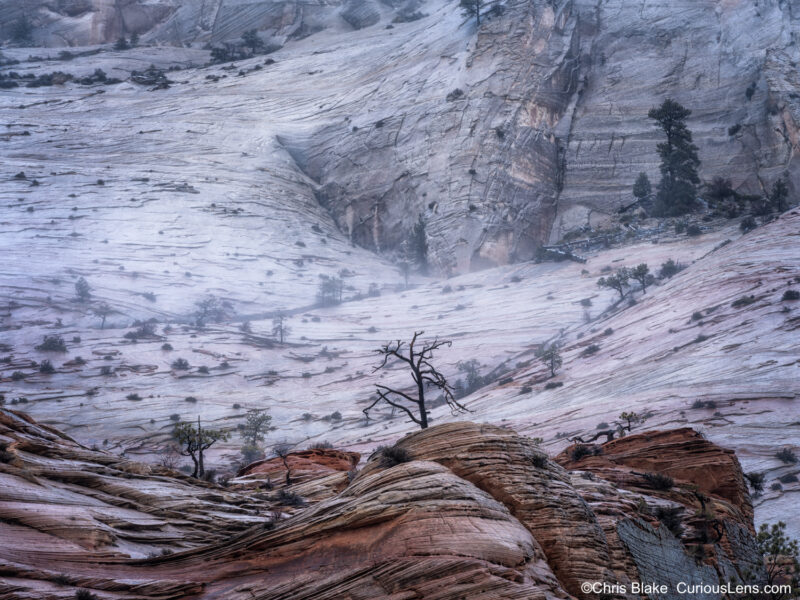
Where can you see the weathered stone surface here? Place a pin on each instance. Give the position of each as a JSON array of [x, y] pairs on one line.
[[360, 13], [470, 516]]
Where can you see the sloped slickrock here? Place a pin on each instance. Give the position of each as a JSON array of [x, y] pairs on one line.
[[304, 464]]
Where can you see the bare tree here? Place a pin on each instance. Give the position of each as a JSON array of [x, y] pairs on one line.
[[282, 451], [424, 374], [280, 328]]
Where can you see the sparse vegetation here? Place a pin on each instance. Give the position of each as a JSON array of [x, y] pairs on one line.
[[780, 558], [289, 498], [786, 455], [583, 450], [659, 481], [52, 343], [630, 419], [389, 456], [180, 364], [743, 301], [790, 295], [670, 268], [330, 290], [748, 224], [83, 290], [551, 357], [670, 517], [46, 367], [280, 327]]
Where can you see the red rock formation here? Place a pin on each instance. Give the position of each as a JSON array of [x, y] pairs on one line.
[[304, 464], [477, 512]]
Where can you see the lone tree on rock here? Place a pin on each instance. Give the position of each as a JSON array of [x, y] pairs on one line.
[[551, 357], [472, 8], [102, 311], [194, 441], [618, 281], [631, 419], [280, 328], [677, 192], [425, 375]]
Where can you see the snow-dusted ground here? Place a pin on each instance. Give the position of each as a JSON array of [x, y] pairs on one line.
[[187, 192]]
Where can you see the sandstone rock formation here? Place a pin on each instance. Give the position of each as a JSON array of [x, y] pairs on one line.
[[477, 512]]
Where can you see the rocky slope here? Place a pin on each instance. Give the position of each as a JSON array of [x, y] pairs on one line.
[[509, 136], [474, 511]]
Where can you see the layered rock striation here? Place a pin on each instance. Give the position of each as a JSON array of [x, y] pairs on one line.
[[476, 511]]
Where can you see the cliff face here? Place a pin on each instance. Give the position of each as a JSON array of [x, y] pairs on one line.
[[478, 511], [506, 137]]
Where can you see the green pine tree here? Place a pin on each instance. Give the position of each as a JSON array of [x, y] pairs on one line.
[[676, 193]]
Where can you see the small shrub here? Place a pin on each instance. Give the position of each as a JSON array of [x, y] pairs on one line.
[[166, 347], [539, 460], [788, 478], [734, 129], [659, 481], [582, 450], [203, 369], [756, 481], [134, 397], [786, 455], [236, 406], [389, 456], [747, 224], [553, 384], [743, 301], [670, 518], [593, 349], [307, 417], [670, 268], [190, 399], [46, 367], [288, 498], [791, 295], [526, 389], [693, 230], [696, 316], [85, 595], [608, 331], [700, 338], [776, 487], [603, 425], [323, 445], [175, 417], [180, 364], [586, 302], [106, 370], [52, 343], [336, 416]]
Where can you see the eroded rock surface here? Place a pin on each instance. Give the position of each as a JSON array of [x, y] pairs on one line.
[[477, 511]]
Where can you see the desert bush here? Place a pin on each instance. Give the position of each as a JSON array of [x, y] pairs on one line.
[[582, 450], [553, 384], [288, 498], [791, 295], [786, 455], [670, 518], [670, 268], [743, 301], [190, 399], [175, 417], [166, 347], [106, 370], [788, 478], [323, 445], [756, 481], [747, 224], [144, 330], [46, 367], [389, 456], [52, 343], [133, 396], [696, 316], [659, 481], [180, 364], [592, 349], [85, 595], [539, 460], [693, 230], [203, 369], [603, 425]]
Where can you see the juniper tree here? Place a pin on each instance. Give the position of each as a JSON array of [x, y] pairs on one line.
[[618, 281], [418, 357], [641, 273], [83, 290], [194, 441], [251, 40], [642, 188], [551, 357], [103, 310], [676, 192], [472, 8]]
